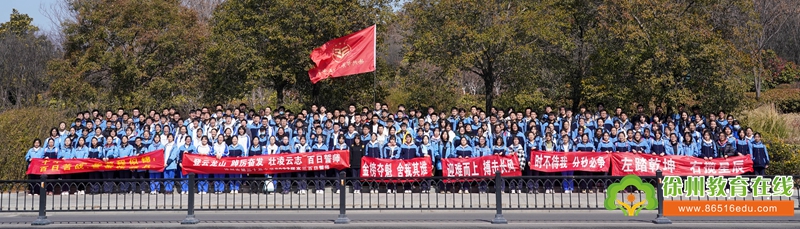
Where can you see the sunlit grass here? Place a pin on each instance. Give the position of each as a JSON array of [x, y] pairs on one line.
[[772, 123]]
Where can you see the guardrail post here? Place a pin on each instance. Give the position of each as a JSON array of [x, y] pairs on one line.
[[42, 219], [660, 219], [498, 193], [190, 219], [342, 195]]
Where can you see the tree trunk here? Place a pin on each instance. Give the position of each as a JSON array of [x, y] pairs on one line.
[[488, 84], [279, 93], [577, 91]]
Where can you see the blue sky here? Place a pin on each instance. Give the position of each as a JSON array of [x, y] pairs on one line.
[[29, 7]]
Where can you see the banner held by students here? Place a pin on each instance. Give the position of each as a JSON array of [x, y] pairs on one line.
[[484, 166], [153, 161], [266, 164], [647, 164], [572, 161], [388, 168], [348, 55]]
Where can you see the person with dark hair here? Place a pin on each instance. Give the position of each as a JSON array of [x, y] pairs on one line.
[[759, 155]]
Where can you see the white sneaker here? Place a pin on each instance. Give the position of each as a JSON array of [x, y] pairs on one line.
[[354, 192], [568, 192], [337, 192], [460, 191], [519, 191], [513, 191], [65, 193], [407, 191], [548, 191], [466, 191], [237, 191]]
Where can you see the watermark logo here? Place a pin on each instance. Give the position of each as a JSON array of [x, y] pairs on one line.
[[697, 186], [632, 206]]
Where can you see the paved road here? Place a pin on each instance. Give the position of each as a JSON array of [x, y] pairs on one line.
[[18, 201], [390, 219]]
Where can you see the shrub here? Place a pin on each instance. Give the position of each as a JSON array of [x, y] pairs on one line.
[[772, 123], [19, 127], [784, 158]]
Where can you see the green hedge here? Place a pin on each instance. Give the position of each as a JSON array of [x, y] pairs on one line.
[[18, 128], [786, 100], [784, 158]]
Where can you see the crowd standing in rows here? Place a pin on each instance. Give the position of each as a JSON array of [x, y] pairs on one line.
[[403, 134]]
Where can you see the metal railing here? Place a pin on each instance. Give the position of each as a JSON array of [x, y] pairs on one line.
[[300, 193]]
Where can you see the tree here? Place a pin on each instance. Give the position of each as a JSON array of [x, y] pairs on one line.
[[665, 53], [130, 53], [273, 40], [496, 40], [22, 70]]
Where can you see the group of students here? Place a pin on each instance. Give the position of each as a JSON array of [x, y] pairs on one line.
[[241, 132]]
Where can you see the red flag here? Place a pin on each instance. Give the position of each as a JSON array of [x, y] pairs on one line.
[[348, 55]]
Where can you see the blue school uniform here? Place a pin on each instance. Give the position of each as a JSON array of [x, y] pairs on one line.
[[80, 152], [584, 147], [51, 153], [461, 151], [759, 155], [408, 152], [34, 153], [744, 147], [622, 146], [390, 151], [687, 149], [501, 150], [483, 151], [65, 152], [658, 146], [707, 149], [604, 146], [641, 146], [235, 151], [374, 150]]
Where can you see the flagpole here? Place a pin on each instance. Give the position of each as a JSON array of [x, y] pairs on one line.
[[375, 63]]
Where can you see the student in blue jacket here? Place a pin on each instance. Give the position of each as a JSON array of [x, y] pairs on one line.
[[126, 150], [427, 149], [585, 145], [673, 146], [340, 144], [319, 146], [687, 147], [285, 148], [186, 148], [109, 152], [743, 146], [302, 147], [445, 148], [759, 155], [639, 145], [81, 151], [203, 149], [482, 149], [35, 152], [706, 148], [658, 144], [170, 162], [155, 186], [568, 184], [235, 150], [95, 151], [408, 150], [606, 145], [463, 150]]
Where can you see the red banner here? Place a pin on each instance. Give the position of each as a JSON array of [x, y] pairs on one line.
[[572, 161], [148, 161], [481, 166], [647, 164], [347, 55], [390, 168], [266, 164]]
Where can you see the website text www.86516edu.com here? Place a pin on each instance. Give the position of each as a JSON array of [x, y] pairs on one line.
[[733, 187]]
